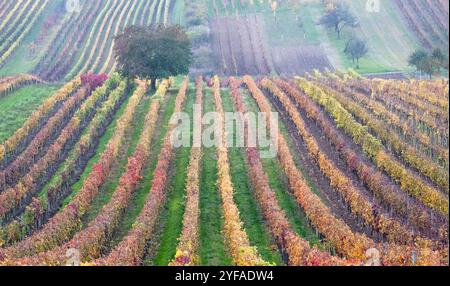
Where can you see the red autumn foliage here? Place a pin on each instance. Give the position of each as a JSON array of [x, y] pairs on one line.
[[92, 80]]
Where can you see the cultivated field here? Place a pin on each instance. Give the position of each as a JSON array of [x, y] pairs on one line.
[[360, 175]]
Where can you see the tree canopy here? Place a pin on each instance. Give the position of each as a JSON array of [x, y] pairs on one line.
[[153, 52], [428, 63], [356, 49], [338, 18]]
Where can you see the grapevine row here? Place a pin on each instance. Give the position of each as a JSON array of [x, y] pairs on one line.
[[377, 109], [16, 166], [399, 147], [166, 12], [9, 84], [383, 191], [105, 30], [147, 20], [417, 28], [438, 15], [417, 119], [15, 17], [161, 4], [237, 240], [38, 212], [188, 242], [138, 12], [435, 93], [11, 12], [385, 86], [102, 16], [22, 31], [297, 249], [112, 30], [439, 11], [428, 24], [375, 150], [5, 7], [37, 118], [392, 254], [359, 205], [13, 199], [131, 249], [63, 225], [110, 63], [120, 24], [62, 53], [91, 240], [142, 10], [21, 165]]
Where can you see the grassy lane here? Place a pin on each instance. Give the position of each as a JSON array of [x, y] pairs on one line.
[[278, 183], [17, 106], [250, 212], [140, 195], [212, 249], [131, 141], [174, 208], [177, 16]]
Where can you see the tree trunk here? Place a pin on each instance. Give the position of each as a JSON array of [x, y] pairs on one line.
[[153, 84], [130, 82]]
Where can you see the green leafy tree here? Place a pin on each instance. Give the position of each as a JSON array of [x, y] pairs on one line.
[[339, 18], [438, 58], [356, 49], [153, 52], [416, 58], [427, 63]]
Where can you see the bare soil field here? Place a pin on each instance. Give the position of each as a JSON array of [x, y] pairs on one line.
[[240, 48]]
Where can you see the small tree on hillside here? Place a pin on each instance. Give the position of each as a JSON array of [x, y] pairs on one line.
[[427, 63], [153, 52], [438, 58], [356, 49], [338, 18]]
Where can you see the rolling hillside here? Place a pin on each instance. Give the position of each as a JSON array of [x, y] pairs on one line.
[[332, 164], [246, 36], [79, 41]]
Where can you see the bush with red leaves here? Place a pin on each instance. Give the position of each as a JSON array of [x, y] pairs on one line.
[[92, 80]]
